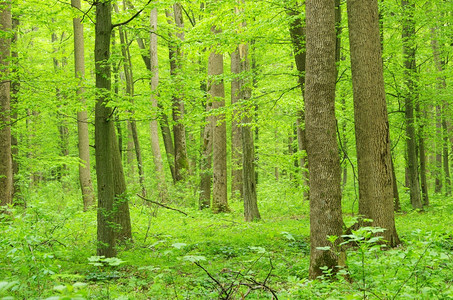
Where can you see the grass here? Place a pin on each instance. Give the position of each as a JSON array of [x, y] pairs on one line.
[[45, 253]]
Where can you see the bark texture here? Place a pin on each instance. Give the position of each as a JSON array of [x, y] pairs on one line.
[[104, 133], [86, 184], [217, 96], [6, 164], [371, 119], [154, 132], [176, 57], [236, 138], [410, 72], [322, 147]]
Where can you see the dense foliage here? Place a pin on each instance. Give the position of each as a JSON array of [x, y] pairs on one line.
[[48, 244]]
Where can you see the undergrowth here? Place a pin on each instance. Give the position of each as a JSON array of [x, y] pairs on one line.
[[47, 251]]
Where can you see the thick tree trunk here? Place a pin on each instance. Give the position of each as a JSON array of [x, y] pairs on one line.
[[179, 130], [322, 147], [236, 139], [217, 97], [6, 164], [371, 119], [86, 185], [155, 147], [411, 96], [104, 134]]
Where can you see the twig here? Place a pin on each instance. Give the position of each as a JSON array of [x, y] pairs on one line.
[[212, 277], [165, 206], [133, 17]]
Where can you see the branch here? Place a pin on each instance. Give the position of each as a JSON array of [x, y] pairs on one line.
[[212, 277], [164, 206], [133, 17]]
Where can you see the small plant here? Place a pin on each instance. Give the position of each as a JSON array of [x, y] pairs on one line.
[[106, 270]]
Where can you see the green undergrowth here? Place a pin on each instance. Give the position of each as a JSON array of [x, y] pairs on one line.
[[47, 251]]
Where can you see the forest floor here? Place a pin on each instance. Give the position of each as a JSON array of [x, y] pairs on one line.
[[48, 252]]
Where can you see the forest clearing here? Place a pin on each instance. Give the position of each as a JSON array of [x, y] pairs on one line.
[[226, 149]]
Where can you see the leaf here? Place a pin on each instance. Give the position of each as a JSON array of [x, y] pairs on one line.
[[257, 249], [194, 258], [113, 261], [179, 245], [288, 235]]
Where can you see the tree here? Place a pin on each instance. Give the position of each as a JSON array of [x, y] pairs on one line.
[[155, 147], [371, 120], [104, 133], [6, 164], [236, 139], [82, 115], [217, 97], [410, 71], [176, 60], [320, 124]]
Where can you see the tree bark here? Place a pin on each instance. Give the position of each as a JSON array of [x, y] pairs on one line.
[[217, 97], [6, 164], [154, 133], [176, 57], [297, 33], [104, 133], [236, 139], [206, 159], [86, 185], [371, 119], [410, 71], [15, 85], [322, 147]]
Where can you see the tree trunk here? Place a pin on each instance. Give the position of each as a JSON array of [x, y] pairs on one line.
[[15, 85], [127, 65], [421, 153], [155, 147], [6, 164], [206, 159], [104, 134], [161, 117], [176, 57], [217, 97], [322, 147], [371, 119], [410, 71], [236, 139], [297, 33], [251, 212], [86, 185]]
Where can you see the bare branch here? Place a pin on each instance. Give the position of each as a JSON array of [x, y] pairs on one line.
[[164, 206]]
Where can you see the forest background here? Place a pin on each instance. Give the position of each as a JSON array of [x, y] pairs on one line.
[[206, 113]]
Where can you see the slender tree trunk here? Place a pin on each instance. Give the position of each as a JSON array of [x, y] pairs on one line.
[[422, 154], [6, 164], [176, 57], [127, 65], [371, 119], [236, 139], [155, 147], [86, 185], [322, 147], [217, 96], [297, 32], [206, 160], [15, 85], [162, 118], [410, 70], [251, 211], [442, 129]]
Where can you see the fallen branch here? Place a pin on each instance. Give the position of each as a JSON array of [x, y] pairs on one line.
[[165, 206]]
